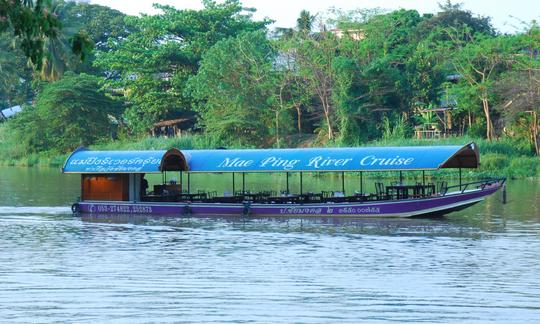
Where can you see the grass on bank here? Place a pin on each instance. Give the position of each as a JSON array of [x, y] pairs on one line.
[[503, 157]]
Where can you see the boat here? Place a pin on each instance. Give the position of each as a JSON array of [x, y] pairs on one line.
[[113, 182]]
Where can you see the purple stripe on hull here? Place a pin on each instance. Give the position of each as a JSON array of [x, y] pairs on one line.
[[394, 208]]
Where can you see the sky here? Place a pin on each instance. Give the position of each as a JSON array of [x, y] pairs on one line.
[[506, 15]]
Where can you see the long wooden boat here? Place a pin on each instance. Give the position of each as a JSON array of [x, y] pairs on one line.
[[113, 182]]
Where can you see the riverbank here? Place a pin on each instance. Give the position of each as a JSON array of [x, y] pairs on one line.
[[498, 158]]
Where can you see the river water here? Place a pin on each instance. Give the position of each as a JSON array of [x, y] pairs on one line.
[[478, 265]]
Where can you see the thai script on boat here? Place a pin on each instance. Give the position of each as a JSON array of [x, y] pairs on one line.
[[109, 164], [301, 210], [330, 210], [359, 210], [112, 169]]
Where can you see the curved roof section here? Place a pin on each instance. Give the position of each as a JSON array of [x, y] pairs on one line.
[[86, 161], [334, 159]]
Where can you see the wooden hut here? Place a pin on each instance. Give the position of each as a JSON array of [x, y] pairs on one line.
[[173, 127]]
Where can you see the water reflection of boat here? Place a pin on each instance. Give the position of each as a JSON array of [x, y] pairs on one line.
[[331, 225], [113, 182]]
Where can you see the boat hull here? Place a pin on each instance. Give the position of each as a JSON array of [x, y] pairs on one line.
[[436, 205]]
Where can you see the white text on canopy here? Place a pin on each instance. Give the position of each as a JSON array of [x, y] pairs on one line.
[[391, 161], [317, 162]]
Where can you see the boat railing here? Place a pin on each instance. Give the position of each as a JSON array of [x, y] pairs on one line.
[[395, 191], [480, 184]]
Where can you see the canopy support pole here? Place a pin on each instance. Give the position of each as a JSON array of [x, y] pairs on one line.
[[343, 182], [423, 177], [243, 182], [301, 187], [188, 183], [400, 177], [233, 188], [287, 175], [460, 179], [181, 182], [361, 184]]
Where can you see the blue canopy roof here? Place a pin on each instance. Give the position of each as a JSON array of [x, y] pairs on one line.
[[334, 159], [275, 160], [85, 161]]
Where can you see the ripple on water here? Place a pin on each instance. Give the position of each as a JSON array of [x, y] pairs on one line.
[[56, 267]]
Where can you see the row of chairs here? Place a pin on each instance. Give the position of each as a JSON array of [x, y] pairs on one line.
[[428, 189], [380, 194]]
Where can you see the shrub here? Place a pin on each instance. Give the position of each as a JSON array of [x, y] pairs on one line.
[[524, 166], [493, 162]]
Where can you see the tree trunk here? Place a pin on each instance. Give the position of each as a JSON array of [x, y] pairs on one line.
[[489, 125], [299, 114], [277, 128], [329, 126], [326, 109], [535, 133]]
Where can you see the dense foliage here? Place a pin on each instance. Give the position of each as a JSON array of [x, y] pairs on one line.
[[359, 76], [36, 23], [68, 113], [153, 64]]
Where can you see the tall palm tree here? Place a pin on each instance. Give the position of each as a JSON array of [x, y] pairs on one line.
[[305, 21], [58, 54], [55, 51]]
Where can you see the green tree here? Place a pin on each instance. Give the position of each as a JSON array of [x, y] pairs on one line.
[[68, 113], [34, 23], [102, 24], [521, 104], [153, 64], [479, 61], [86, 24], [15, 74], [520, 88], [234, 88], [31, 22], [394, 65], [291, 92], [452, 15], [69, 47], [305, 22], [425, 75], [313, 59]]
